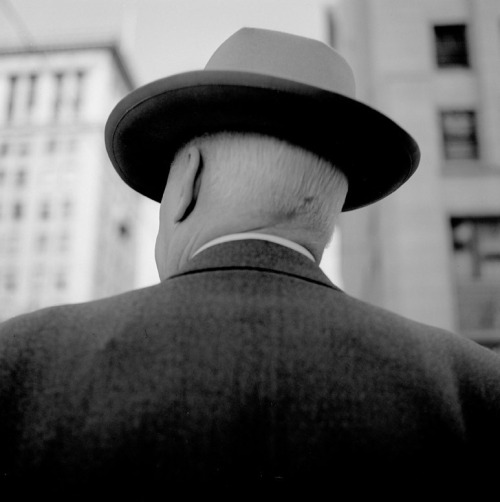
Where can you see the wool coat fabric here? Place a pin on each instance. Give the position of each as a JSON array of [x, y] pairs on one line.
[[248, 367]]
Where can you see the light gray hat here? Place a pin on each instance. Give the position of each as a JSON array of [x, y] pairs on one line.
[[293, 88]]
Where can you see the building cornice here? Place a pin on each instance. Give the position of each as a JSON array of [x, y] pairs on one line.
[[110, 46]]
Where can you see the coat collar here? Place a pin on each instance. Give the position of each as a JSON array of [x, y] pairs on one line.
[[257, 255]]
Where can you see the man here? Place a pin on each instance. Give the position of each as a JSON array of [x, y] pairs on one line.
[[245, 366]]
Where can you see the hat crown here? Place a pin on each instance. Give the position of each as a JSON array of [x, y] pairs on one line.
[[286, 56]]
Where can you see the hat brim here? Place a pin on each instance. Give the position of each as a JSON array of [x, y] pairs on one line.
[[146, 129]]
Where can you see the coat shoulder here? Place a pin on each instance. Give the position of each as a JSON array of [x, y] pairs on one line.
[[70, 323]]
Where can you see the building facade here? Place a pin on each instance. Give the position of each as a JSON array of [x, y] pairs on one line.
[[67, 222], [431, 251]]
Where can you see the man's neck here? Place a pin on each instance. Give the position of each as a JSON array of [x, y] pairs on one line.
[[196, 236]]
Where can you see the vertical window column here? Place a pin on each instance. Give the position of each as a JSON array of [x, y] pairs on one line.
[[12, 96], [21, 97], [31, 94], [78, 93], [58, 95], [17, 210], [69, 92]]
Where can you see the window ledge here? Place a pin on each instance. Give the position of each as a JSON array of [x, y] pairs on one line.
[[471, 168]]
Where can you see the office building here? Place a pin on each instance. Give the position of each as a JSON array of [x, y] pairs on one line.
[[67, 222], [431, 251]]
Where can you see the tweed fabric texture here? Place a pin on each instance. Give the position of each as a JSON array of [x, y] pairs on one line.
[[247, 367]]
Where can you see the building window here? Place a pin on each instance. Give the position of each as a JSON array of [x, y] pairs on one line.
[[17, 211], [45, 210], [124, 230], [58, 97], [21, 95], [479, 239], [4, 149], [10, 281], [79, 88], [451, 46], [459, 131], [11, 99], [61, 281], [30, 100], [476, 253], [51, 145]]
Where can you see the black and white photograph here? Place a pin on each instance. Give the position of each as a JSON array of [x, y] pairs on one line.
[[249, 248]]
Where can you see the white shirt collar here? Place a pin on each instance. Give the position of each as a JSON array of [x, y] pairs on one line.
[[256, 235]]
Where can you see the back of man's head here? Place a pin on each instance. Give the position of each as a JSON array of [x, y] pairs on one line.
[[250, 183], [266, 178]]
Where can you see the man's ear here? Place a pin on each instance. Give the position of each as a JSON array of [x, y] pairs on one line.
[[190, 184]]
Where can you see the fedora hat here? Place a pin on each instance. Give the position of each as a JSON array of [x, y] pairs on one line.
[[261, 81]]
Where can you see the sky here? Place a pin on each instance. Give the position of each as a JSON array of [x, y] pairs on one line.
[[158, 38]]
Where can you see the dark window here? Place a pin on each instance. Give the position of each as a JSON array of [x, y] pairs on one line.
[[476, 251], [11, 100], [21, 178], [451, 45], [479, 237], [30, 103], [124, 230], [58, 98], [80, 80], [459, 131], [17, 211]]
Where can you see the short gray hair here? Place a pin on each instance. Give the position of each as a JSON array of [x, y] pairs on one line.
[[282, 180]]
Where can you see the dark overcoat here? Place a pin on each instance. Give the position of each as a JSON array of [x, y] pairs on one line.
[[248, 367]]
